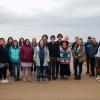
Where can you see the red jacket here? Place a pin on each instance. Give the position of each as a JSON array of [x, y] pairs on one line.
[[26, 53]]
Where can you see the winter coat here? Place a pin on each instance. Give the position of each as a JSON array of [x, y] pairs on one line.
[[46, 58], [26, 53], [79, 53], [14, 54]]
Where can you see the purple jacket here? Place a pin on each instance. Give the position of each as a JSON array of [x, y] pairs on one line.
[[26, 53]]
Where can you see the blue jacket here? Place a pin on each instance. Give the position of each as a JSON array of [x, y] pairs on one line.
[[87, 49], [14, 54], [93, 49]]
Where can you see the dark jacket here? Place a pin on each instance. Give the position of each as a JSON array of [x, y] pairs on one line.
[[87, 50], [53, 49], [73, 45], [8, 45], [26, 53], [93, 49], [58, 43], [4, 58]]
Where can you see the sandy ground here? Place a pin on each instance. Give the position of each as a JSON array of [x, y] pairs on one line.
[[86, 89]]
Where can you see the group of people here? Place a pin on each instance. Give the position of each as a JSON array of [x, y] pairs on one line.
[[47, 60]]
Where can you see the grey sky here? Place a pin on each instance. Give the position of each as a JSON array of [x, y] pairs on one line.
[[29, 18]]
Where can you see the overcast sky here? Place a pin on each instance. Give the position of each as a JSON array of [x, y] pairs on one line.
[[32, 18]]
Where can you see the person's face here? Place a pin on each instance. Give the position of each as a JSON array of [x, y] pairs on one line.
[[34, 40], [10, 40], [76, 39], [2, 42], [44, 39], [64, 45], [27, 42], [89, 40], [15, 43], [67, 38], [52, 39], [22, 40], [59, 38], [79, 42], [94, 40]]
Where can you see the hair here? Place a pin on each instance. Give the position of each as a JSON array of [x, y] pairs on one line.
[[67, 43], [2, 39], [9, 39], [45, 36], [81, 39], [40, 44], [26, 40], [35, 41], [13, 43], [20, 44]]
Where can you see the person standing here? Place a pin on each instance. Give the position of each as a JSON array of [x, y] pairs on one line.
[[73, 45], [65, 56], [54, 54], [98, 64], [8, 45], [14, 53], [41, 57], [78, 58], [87, 54], [4, 61], [93, 49], [21, 42], [45, 39], [26, 54], [34, 45], [58, 42]]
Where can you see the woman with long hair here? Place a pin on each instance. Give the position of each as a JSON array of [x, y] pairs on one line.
[[27, 60], [14, 53]]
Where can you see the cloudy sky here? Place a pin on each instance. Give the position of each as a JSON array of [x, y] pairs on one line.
[[32, 18]]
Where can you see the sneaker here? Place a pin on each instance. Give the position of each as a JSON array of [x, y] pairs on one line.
[[75, 78], [29, 79], [6, 81], [38, 81], [65, 77], [3, 81], [24, 79], [97, 78]]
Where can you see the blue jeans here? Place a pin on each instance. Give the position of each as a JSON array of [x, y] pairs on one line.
[[16, 70], [41, 72]]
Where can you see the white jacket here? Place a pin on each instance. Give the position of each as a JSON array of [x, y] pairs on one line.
[[37, 59]]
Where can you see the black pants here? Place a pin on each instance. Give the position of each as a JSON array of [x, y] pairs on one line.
[[57, 69], [10, 68], [88, 63], [35, 67], [92, 65], [52, 67], [3, 71], [41, 72], [65, 69], [78, 67]]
